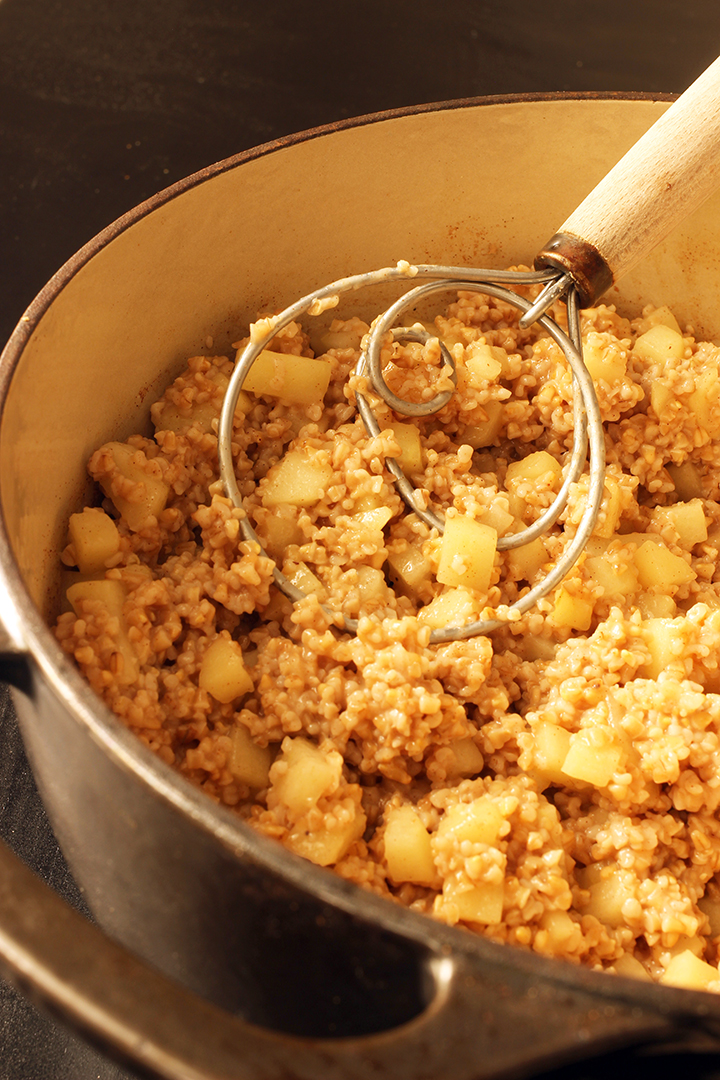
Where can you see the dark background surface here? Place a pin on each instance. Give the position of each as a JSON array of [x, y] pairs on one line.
[[105, 102]]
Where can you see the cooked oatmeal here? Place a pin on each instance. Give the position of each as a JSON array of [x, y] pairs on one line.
[[554, 785]]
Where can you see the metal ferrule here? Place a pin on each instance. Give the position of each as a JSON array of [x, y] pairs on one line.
[[584, 263]]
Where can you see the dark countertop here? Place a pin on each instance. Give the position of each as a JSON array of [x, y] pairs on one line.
[[102, 104]]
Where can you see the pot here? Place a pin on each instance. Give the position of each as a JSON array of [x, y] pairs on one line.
[[220, 953]]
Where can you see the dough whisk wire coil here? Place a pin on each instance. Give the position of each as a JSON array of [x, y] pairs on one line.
[[587, 422]]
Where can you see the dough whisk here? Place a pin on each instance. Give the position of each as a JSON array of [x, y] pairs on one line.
[[667, 174]]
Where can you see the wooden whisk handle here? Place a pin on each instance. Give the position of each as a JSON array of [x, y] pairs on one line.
[[666, 175]]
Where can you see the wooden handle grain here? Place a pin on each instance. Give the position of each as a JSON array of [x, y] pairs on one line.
[[666, 175]]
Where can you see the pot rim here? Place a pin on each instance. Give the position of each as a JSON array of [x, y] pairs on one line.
[[28, 638]]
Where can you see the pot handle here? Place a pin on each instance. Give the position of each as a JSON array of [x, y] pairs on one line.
[[483, 1018]]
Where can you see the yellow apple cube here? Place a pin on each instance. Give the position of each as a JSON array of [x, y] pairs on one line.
[[690, 972], [592, 764], [299, 479], [572, 612], [688, 520], [407, 437], [479, 822], [149, 495], [660, 344], [660, 316], [326, 846], [602, 361], [666, 641], [278, 532], [299, 380], [409, 569], [532, 468], [657, 566], [702, 399], [302, 577], [485, 432], [481, 903], [408, 852], [468, 759], [453, 607], [608, 893], [249, 763], [527, 561], [551, 744], [304, 776], [95, 539], [656, 606], [481, 364], [687, 480], [223, 674], [467, 553], [631, 968], [618, 580]]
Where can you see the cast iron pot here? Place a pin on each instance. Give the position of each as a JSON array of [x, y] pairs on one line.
[[221, 954]]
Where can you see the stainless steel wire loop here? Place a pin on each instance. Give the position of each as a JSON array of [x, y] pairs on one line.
[[587, 421]]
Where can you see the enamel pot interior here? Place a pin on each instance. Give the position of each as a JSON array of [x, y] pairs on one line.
[[478, 183]]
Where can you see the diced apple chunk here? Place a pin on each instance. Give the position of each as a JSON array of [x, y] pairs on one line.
[[652, 605], [409, 568], [279, 531], [481, 364], [149, 495], [661, 395], [551, 744], [302, 577], [298, 479], [468, 759], [223, 673], [688, 520], [666, 642], [702, 399], [249, 763], [95, 539], [302, 774], [608, 892], [710, 906], [497, 518], [602, 361], [532, 468], [631, 968], [408, 851], [572, 612], [467, 553], [690, 972], [657, 566], [617, 580], [481, 903], [326, 846], [372, 586], [485, 432], [407, 437], [686, 479], [593, 764], [479, 822], [300, 380], [659, 344], [660, 316], [453, 607], [527, 561]]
